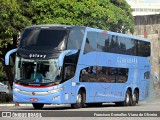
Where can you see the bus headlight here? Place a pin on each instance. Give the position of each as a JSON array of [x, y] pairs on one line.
[[55, 90], [16, 89]]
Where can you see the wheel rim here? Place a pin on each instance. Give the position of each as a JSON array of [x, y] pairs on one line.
[[134, 97], [127, 98], [79, 98]]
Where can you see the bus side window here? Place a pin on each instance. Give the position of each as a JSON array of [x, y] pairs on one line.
[[69, 72], [91, 42], [147, 75], [114, 45], [89, 74], [121, 75], [112, 75], [88, 47], [75, 39]]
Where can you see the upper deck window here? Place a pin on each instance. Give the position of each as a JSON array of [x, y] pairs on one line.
[[44, 38], [75, 38]]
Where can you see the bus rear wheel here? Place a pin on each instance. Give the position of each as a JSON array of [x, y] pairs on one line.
[[135, 98], [38, 105], [128, 98], [80, 100], [127, 101]]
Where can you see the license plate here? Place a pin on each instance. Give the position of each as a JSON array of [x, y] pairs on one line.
[[34, 99]]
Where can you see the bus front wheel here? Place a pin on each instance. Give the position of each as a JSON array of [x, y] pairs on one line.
[[38, 105], [80, 100]]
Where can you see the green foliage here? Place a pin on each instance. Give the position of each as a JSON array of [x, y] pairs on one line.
[[12, 21], [123, 15], [105, 14], [114, 15]]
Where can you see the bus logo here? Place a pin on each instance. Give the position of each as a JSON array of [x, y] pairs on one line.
[[37, 56]]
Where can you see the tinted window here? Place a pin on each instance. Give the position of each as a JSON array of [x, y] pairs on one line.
[[147, 75], [75, 39], [143, 49], [112, 74], [88, 74], [121, 75], [116, 44], [103, 43], [69, 71], [127, 46], [46, 38], [91, 42], [104, 74]]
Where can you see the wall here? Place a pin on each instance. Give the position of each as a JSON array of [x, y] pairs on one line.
[[149, 26]]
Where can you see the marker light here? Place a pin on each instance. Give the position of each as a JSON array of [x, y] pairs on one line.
[[16, 89]]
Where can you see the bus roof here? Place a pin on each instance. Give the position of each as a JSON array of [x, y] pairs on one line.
[[83, 27], [121, 34], [55, 25]]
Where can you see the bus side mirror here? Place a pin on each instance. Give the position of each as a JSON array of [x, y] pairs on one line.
[[8, 55]]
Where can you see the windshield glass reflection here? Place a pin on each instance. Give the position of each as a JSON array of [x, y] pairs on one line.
[[36, 71]]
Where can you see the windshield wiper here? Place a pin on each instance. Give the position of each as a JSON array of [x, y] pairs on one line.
[[24, 80]]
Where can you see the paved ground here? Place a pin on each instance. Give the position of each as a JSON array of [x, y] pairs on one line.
[[64, 110]]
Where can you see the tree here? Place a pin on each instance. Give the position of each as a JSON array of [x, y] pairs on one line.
[[114, 15], [105, 14], [123, 15], [12, 22]]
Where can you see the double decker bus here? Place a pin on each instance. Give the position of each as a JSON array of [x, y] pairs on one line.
[[81, 66]]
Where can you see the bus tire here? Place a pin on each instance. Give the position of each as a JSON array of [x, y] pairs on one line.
[[80, 100], [38, 105], [135, 98], [128, 98]]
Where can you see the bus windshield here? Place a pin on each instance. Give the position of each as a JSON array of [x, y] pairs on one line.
[[44, 39], [29, 71]]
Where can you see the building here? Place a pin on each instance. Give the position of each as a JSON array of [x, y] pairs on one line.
[[147, 24], [140, 7]]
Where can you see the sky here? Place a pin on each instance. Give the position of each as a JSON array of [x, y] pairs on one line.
[[152, 1], [148, 1]]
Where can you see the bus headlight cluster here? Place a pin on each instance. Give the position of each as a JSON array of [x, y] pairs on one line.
[[16, 89], [55, 90]]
